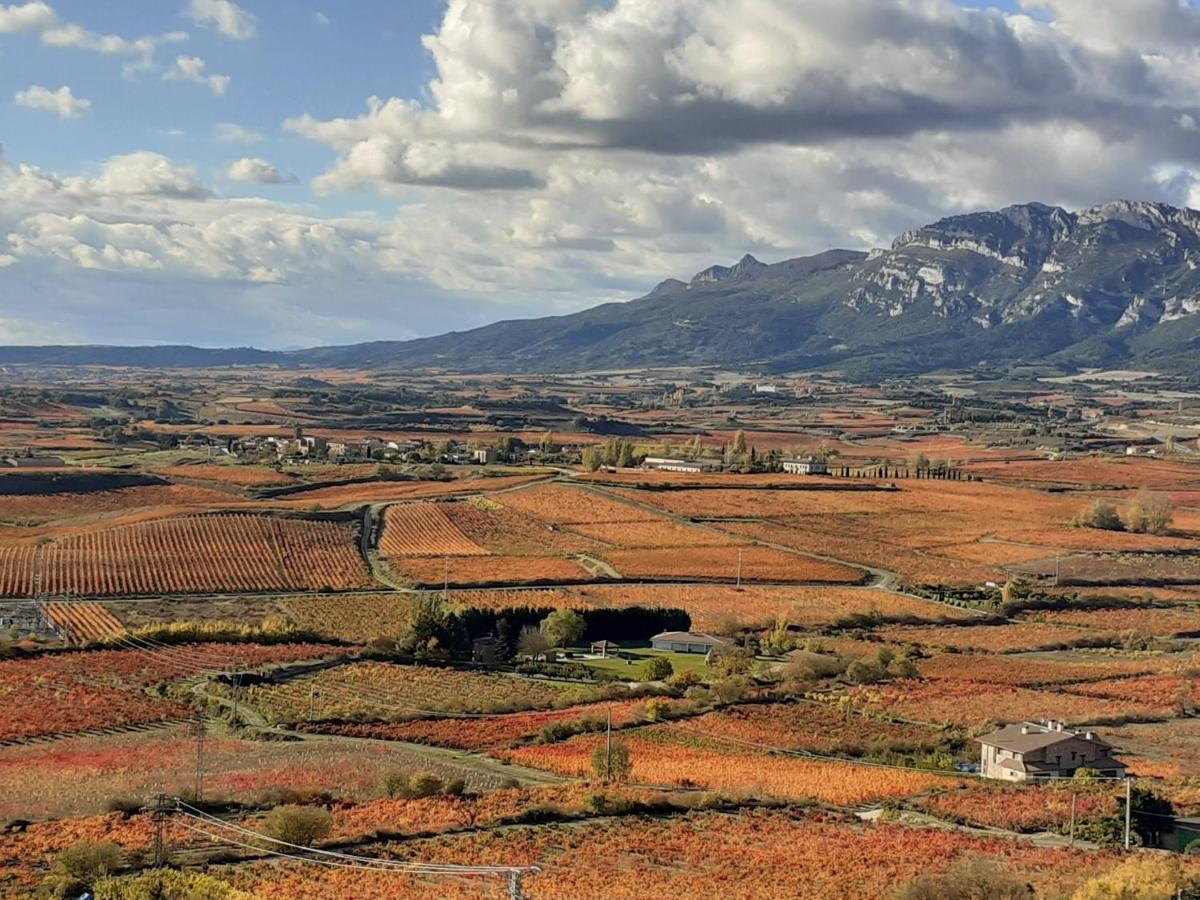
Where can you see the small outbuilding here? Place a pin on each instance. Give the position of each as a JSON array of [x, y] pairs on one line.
[[688, 642], [604, 649]]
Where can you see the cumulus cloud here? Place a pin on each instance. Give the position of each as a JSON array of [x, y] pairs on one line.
[[225, 16], [33, 16], [520, 80], [257, 170], [193, 68], [62, 102], [229, 133]]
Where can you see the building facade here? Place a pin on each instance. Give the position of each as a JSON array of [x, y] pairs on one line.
[[1027, 751]]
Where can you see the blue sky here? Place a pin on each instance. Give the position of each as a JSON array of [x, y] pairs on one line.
[[294, 173]]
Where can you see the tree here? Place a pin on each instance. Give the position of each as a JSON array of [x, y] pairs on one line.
[[531, 642], [657, 668], [729, 660], [592, 458], [563, 627], [611, 763], [739, 443], [1101, 514], [972, 879], [1141, 878], [1150, 513], [302, 826], [77, 868]]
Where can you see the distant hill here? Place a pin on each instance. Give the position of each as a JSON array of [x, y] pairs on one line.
[[1117, 284]]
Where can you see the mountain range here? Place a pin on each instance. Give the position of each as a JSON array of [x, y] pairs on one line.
[[1117, 284]]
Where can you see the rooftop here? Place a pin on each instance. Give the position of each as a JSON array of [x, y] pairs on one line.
[[1024, 737]]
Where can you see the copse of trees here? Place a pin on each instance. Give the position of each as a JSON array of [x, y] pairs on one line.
[[1150, 512]]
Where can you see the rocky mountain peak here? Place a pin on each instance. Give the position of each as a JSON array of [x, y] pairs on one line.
[[745, 267]]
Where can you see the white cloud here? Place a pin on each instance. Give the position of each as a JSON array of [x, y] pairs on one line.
[[229, 133], [192, 68], [26, 17], [62, 101], [141, 50], [254, 169], [320, 18], [225, 16]]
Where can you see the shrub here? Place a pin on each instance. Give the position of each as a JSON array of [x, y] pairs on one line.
[[611, 765], [1150, 513], [1140, 878], [1101, 514], [424, 784], [78, 868], [299, 825], [864, 671], [969, 880], [167, 884], [657, 668], [728, 660], [681, 681]]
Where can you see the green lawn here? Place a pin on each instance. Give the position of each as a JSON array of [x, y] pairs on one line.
[[630, 666]]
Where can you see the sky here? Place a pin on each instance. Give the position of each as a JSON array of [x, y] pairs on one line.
[[284, 173]]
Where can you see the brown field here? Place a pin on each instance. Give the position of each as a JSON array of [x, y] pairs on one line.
[[992, 638], [1093, 472], [1145, 620], [973, 704], [506, 532], [565, 505], [380, 491], [40, 508], [714, 606], [241, 476], [423, 529], [1024, 670], [721, 564], [465, 571], [190, 554], [664, 533]]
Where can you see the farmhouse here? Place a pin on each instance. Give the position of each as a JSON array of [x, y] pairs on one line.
[[667, 464], [810, 465], [688, 642], [1027, 751]]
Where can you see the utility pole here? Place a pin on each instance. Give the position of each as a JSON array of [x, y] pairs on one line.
[[313, 693], [199, 757], [160, 821], [1128, 809], [739, 569], [446, 578], [1057, 568], [1074, 797], [608, 747]]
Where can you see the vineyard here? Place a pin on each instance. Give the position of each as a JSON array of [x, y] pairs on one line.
[[975, 704], [82, 622], [105, 688], [423, 529], [671, 756], [486, 733], [726, 563], [190, 554], [385, 692], [734, 857], [468, 571]]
